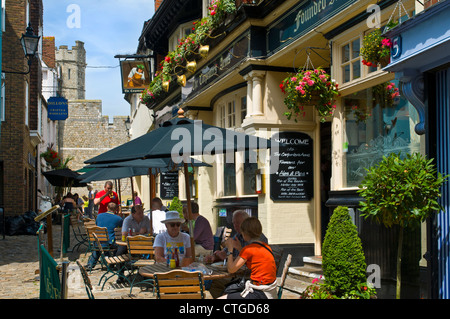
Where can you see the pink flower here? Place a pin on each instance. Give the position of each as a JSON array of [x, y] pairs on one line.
[[315, 280], [293, 79], [386, 43], [311, 82], [213, 12], [307, 73]]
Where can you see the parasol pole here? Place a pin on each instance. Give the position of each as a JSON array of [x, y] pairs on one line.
[[151, 191], [132, 189], [188, 199]]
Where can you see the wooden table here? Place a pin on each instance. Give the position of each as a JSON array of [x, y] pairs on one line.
[[150, 270]]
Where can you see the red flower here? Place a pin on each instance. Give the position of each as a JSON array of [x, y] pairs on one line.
[[167, 59]]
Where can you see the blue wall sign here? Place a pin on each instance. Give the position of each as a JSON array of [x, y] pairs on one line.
[[58, 108]]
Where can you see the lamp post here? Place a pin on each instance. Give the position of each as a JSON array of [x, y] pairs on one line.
[[29, 43], [128, 125]]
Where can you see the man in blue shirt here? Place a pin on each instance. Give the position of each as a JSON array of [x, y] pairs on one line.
[[109, 220]]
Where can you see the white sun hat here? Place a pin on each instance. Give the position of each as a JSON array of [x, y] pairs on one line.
[[173, 217]]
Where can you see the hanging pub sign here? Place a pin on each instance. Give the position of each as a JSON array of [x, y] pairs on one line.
[[293, 180], [135, 75], [168, 185], [57, 108]]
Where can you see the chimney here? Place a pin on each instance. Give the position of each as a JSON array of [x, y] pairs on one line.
[[157, 4], [48, 51]]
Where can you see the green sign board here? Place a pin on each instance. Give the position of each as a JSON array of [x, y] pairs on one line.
[[301, 19], [49, 278]]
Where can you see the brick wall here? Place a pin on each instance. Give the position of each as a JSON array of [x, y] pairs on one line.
[[48, 51], [16, 150]]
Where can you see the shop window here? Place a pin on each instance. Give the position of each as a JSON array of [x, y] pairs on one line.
[[376, 125], [229, 177], [350, 60], [231, 114], [243, 107], [250, 167]]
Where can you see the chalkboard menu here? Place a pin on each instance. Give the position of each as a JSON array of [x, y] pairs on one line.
[[168, 185], [293, 180]]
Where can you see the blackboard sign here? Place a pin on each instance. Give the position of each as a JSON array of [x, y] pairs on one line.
[[293, 180], [168, 185]]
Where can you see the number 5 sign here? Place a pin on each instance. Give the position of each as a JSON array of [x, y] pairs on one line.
[[396, 49]]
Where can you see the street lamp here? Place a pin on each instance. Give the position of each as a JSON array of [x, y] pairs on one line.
[[128, 125], [29, 43]]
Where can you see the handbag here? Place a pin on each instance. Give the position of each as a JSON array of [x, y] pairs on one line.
[[236, 285]]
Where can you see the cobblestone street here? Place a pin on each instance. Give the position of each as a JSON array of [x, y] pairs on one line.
[[19, 272]]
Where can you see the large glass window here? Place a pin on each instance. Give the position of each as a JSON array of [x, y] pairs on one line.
[[250, 167], [378, 121], [229, 177]]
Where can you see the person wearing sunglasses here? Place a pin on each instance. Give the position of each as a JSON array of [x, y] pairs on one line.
[[165, 243]]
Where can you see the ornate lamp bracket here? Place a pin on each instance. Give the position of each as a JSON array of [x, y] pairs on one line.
[[412, 86]]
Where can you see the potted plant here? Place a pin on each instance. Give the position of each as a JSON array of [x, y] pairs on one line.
[[375, 48], [403, 191], [309, 87], [51, 156], [343, 262]]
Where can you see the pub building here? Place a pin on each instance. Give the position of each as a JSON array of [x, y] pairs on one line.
[[321, 163]]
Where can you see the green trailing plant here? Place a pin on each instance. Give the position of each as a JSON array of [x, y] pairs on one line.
[[343, 260], [218, 10], [403, 191], [374, 48]]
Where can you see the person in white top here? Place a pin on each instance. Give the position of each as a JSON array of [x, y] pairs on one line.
[[166, 242], [158, 215]]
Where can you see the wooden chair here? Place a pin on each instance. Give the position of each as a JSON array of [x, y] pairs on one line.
[[141, 253], [179, 284], [118, 233], [87, 280], [115, 265], [287, 263], [102, 235]]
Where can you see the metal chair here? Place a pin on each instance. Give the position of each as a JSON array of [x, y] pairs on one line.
[[115, 265], [287, 263], [141, 253], [179, 284], [87, 280], [79, 233]]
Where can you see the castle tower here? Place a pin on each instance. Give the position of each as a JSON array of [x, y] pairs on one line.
[[72, 64]]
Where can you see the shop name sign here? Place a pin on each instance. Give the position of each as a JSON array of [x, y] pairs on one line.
[[302, 19], [57, 108], [220, 65]]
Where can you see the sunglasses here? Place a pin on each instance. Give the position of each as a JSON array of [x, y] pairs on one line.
[[174, 224]]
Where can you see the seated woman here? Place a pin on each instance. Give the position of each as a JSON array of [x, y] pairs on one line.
[[258, 257]]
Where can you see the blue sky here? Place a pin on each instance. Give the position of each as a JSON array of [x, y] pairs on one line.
[[107, 28]]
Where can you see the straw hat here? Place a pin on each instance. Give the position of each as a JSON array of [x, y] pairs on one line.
[[172, 217]]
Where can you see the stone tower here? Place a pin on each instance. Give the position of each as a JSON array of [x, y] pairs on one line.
[[72, 64]]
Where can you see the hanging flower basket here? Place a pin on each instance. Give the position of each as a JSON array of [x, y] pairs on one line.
[[309, 88], [376, 49]]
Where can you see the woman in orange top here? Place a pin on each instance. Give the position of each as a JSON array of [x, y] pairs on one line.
[[258, 257]]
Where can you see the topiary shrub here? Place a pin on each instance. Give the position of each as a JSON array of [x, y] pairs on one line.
[[343, 261], [176, 205]]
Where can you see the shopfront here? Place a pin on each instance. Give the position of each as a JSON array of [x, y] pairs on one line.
[[421, 64]]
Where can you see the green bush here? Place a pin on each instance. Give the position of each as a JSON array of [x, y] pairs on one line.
[[176, 205], [343, 261]]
